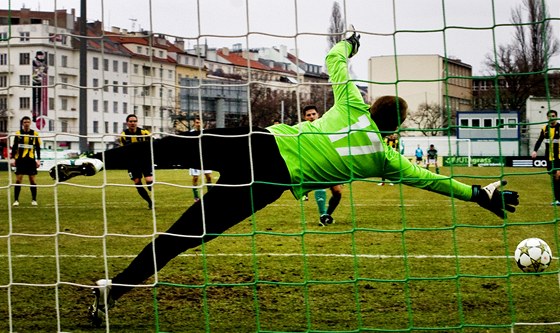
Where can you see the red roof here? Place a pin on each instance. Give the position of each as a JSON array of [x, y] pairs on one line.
[[236, 59]]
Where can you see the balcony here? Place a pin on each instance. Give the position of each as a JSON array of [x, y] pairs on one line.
[[72, 114], [70, 71]]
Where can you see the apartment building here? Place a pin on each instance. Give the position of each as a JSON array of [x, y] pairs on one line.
[[422, 79]]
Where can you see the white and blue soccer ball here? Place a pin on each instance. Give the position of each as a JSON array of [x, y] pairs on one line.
[[533, 255]]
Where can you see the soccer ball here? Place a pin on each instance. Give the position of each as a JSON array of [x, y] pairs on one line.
[[533, 255]]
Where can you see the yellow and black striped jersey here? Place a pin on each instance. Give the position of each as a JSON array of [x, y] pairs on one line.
[[393, 143], [551, 137], [26, 144], [128, 137]]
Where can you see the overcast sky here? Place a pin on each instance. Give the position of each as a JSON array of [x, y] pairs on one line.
[[453, 28]]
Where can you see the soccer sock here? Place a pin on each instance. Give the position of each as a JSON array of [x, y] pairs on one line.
[[333, 203], [321, 199], [33, 193], [17, 189], [556, 185], [437, 171], [195, 193], [149, 185], [144, 194]]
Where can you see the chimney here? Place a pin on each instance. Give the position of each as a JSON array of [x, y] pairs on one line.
[[180, 43]]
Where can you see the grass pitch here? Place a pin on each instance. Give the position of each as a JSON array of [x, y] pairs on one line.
[[397, 259]]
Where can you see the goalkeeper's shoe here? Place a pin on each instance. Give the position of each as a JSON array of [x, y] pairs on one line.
[[71, 168], [102, 303]]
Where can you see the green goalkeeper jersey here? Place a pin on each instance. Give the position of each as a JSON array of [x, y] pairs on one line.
[[345, 144]]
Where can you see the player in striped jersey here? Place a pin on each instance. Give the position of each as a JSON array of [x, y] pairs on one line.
[[140, 168], [550, 134], [25, 157]]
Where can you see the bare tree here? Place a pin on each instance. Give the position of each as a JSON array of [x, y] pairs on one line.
[[431, 119], [336, 29], [520, 68]]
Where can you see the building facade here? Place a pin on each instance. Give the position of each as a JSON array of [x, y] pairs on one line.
[[422, 79]]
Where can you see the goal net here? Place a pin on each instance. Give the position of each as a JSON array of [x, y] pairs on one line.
[[397, 258]]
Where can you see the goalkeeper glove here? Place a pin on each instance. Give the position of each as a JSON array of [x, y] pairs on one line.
[[354, 40], [496, 201]]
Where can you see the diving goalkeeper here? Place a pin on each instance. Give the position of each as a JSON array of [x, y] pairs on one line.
[[258, 165]]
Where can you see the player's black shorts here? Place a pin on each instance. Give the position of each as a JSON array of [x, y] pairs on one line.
[[139, 172], [26, 166]]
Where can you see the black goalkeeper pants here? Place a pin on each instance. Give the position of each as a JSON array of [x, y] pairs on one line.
[[253, 174]]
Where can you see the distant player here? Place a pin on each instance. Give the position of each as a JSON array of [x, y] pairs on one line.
[[311, 114], [141, 168], [419, 153], [550, 134], [25, 157], [431, 158], [195, 173]]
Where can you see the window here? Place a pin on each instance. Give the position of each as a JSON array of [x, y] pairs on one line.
[[95, 83], [95, 105], [3, 58], [115, 127], [124, 107], [3, 36], [24, 59], [3, 81], [145, 91], [106, 65], [125, 88], [115, 66], [64, 61], [105, 106], [95, 126], [64, 126], [138, 49], [146, 70], [475, 122], [24, 36], [106, 85], [64, 80], [106, 127], [512, 122], [51, 59], [64, 104], [170, 74], [135, 69], [24, 80], [24, 103], [3, 103], [115, 87], [51, 103], [51, 125], [125, 67], [115, 107], [464, 123], [499, 122], [487, 122], [95, 63]]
